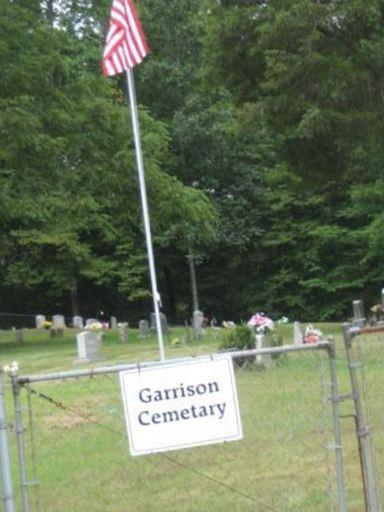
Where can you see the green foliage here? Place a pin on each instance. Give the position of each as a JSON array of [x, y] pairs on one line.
[[261, 127], [239, 337]]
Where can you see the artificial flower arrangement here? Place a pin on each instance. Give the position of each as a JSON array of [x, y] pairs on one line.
[[261, 323], [312, 335], [95, 326], [378, 313]]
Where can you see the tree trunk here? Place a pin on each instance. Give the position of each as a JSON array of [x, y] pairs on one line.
[[74, 298], [192, 272], [50, 13], [170, 291]]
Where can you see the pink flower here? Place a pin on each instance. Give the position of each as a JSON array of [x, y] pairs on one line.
[[261, 322]]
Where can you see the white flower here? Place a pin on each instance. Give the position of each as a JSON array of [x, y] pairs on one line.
[[311, 330], [12, 368]]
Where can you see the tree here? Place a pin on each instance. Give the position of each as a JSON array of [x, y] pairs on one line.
[[71, 208]]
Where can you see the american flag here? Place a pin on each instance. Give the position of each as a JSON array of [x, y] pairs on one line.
[[125, 45]]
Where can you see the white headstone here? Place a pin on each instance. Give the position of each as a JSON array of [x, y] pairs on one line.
[[58, 322], [358, 313], [40, 320], [123, 332], [88, 346], [143, 328], [262, 341], [197, 321], [298, 336], [113, 322], [78, 322], [91, 321]]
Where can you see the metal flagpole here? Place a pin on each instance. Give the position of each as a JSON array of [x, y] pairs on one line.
[[144, 204]]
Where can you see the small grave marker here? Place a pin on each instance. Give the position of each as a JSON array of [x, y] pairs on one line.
[[40, 321], [163, 322], [19, 336], [58, 322], [113, 322], [78, 322], [90, 321], [123, 332], [143, 328]]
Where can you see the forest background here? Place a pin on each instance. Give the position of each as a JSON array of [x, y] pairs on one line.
[[262, 132]]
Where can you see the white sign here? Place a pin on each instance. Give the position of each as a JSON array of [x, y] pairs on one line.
[[181, 405]]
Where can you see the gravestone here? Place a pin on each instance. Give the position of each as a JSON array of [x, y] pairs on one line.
[[163, 322], [262, 341], [19, 336], [40, 320], [88, 346], [78, 322], [298, 336], [113, 322], [123, 332], [143, 328], [358, 313], [58, 322], [197, 322], [90, 321]]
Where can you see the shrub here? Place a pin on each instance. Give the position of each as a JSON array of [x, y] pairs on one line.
[[240, 337]]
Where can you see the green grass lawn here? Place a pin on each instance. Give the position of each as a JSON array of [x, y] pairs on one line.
[[81, 453]]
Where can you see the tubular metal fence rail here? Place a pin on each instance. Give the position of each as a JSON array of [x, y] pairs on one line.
[[63, 445]]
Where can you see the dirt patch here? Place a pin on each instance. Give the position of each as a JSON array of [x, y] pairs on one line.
[[66, 421], [82, 412]]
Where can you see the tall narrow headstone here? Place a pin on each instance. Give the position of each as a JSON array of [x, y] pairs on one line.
[[358, 313], [78, 322], [262, 341], [123, 332], [113, 322], [40, 321], [143, 328], [19, 336], [298, 336], [163, 322], [152, 321], [197, 322]]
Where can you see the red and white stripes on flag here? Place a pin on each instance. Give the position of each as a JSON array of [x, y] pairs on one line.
[[125, 45]]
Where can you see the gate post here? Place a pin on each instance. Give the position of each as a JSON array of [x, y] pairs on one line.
[[364, 438], [19, 430], [336, 427], [5, 461]]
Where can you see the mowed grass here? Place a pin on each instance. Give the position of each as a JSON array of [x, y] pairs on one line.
[[82, 455]]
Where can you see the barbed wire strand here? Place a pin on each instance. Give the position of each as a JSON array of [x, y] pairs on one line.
[[91, 419]]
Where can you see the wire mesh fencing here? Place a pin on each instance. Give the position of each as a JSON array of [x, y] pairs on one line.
[[365, 357], [72, 445]]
